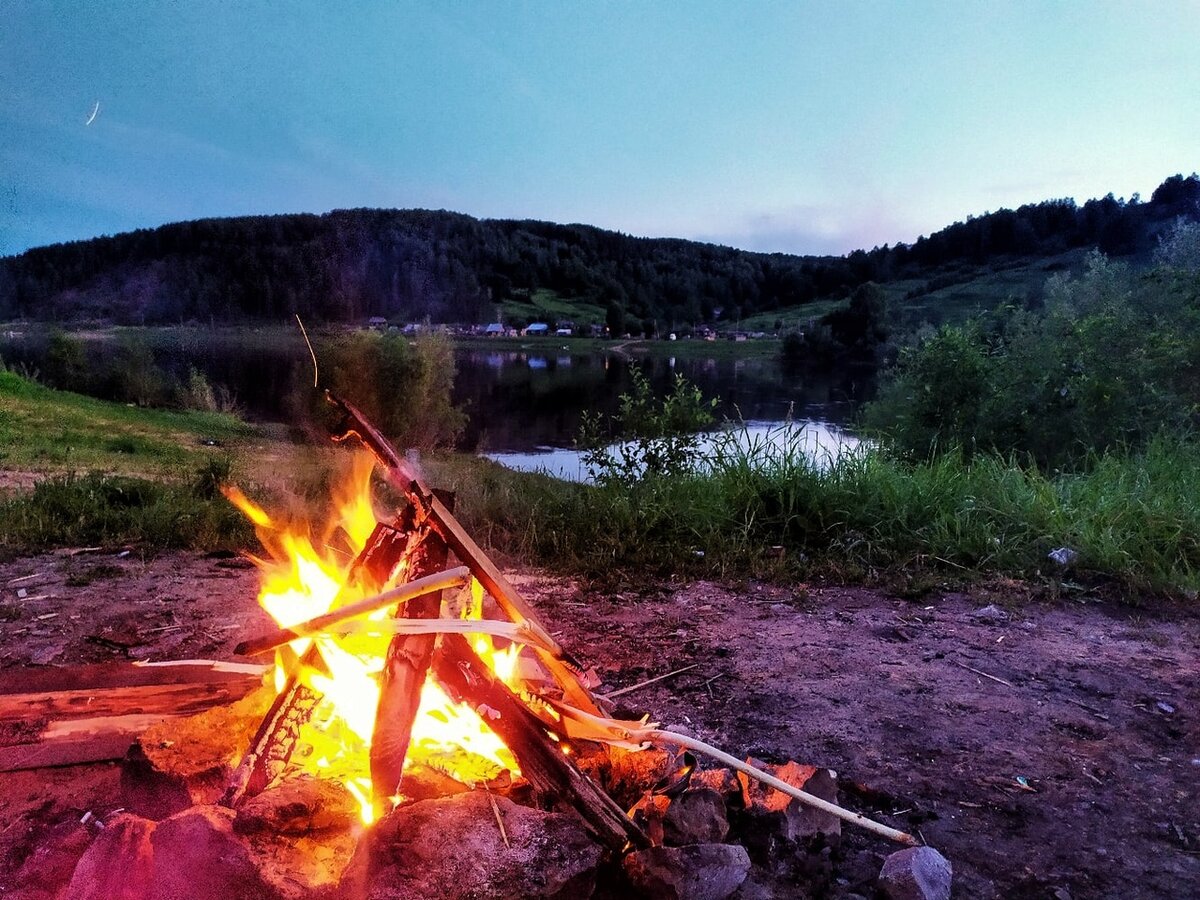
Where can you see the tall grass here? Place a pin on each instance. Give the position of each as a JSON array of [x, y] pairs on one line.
[[769, 507]]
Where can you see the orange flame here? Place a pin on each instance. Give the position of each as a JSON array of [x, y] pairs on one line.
[[303, 579]]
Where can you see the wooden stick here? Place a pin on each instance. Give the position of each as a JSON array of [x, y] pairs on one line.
[[496, 813], [658, 735], [552, 775], [402, 477], [984, 674], [623, 733], [509, 631], [456, 577], [648, 681], [403, 675]]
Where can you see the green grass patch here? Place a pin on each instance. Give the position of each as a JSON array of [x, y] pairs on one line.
[[550, 306], [47, 431], [1134, 518], [115, 510]]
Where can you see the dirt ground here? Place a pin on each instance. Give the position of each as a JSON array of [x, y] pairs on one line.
[[1048, 749]]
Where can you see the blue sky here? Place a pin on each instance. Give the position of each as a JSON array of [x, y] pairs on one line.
[[800, 127]]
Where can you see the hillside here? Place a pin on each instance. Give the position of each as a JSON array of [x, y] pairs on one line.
[[408, 265]]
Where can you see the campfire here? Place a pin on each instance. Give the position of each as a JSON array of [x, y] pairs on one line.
[[403, 658]]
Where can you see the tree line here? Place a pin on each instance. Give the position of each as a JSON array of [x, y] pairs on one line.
[[410, 265]]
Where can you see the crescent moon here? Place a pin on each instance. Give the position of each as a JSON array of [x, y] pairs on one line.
[[95, 112]]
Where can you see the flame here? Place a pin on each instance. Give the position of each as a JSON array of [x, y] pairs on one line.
[[304, 578]]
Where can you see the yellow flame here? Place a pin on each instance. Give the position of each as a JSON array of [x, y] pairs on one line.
[[304, 579]]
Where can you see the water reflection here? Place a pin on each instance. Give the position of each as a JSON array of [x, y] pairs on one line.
[[519, 400], [764, 443]]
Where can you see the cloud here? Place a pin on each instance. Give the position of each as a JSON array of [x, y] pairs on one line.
[[814, 229]]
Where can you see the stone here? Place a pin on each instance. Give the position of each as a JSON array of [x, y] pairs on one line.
[[298, 806], [721, 780], [49, 867], [773, 814], [452, 848], [698, 872], [697, 816], [119, 865], [990, 615], [918, 873], [197, 856], [187, 761]]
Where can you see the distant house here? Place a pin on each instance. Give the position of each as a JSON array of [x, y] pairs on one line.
[[538, 328], [494, 330]]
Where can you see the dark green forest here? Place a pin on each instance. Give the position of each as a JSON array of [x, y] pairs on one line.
[[409, 265]]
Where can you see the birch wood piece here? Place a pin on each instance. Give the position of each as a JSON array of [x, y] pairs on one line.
[[420, 587]]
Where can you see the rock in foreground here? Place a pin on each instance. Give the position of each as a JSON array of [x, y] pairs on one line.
[[452, 848]]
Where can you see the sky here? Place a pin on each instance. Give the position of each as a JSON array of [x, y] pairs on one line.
[[793, 126]]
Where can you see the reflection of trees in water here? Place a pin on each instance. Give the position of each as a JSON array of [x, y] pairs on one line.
[[510, 404]]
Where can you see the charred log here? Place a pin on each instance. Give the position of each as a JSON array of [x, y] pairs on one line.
[[554, 778]]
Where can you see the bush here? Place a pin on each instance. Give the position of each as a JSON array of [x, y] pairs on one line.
[[403, 388], [1113, 362], [647, 438]]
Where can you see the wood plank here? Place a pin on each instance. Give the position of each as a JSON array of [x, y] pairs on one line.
[[101, 709], [101, 676]]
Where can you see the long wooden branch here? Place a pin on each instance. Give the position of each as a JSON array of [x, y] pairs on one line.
[[412, 590], [553, 776], [626, 734], [403, 478]]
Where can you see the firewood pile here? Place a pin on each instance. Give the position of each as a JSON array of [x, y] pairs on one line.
[[421, 734]]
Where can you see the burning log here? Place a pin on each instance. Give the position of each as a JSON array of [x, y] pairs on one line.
[[277, 736], [412, 590], [401, 476], [543, 760], [403, 676]]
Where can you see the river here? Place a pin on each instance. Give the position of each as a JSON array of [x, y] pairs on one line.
[[525, 402]]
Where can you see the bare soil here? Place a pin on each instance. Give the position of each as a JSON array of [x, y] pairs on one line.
[[1072, 771]]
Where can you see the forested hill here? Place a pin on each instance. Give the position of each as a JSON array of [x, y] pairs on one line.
[[413, 264]]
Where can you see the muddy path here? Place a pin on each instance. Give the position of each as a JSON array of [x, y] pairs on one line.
[[1049, 750]]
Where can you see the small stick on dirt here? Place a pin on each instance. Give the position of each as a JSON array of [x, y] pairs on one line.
[[496, 813], [647, 682], [13, 581], [1083, 705], [983, 674]]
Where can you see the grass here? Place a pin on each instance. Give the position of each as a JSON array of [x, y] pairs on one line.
[[547, 305], [1132, 518], [766, 510], [110, 474], [58, 432]]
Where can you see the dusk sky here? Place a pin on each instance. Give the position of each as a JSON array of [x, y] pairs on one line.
[[798, 127]]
